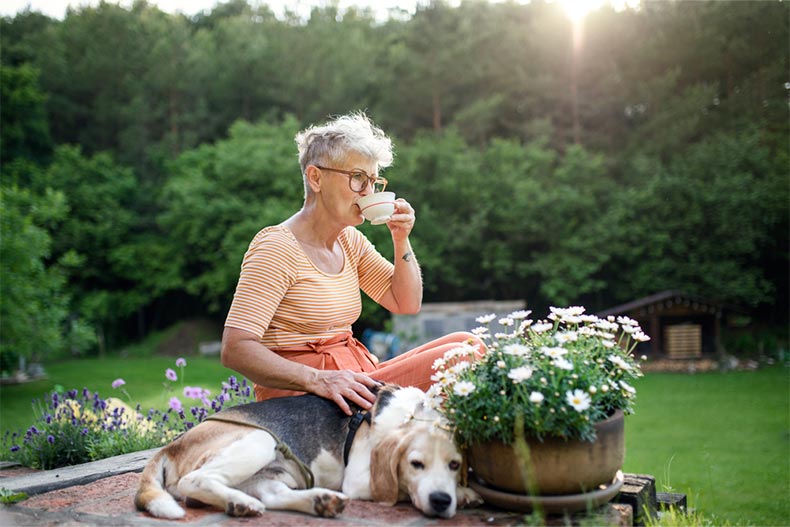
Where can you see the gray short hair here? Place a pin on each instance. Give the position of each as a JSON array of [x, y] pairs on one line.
[[332, 141]]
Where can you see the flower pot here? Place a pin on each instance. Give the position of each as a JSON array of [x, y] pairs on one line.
[[557, 466]]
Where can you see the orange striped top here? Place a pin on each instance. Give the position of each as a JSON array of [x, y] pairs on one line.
[[284, 299]]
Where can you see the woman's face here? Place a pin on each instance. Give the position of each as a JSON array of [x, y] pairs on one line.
[[336, 193]]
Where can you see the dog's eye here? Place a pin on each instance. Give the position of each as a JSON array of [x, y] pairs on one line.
[[418, 465], [454, 465]]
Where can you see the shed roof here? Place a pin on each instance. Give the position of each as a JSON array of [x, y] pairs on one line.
[[664, 296]]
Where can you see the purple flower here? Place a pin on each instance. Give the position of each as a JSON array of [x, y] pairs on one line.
[[170, 374], [117, 383], [175, 404], [193, 392], [181, 362], [15, 448], [51, 439]]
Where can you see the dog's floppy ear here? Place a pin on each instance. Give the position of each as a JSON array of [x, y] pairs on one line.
[[384, 461]]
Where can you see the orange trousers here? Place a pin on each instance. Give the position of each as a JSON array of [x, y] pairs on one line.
[[413, 368]]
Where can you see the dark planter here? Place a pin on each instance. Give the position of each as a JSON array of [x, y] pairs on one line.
[[556, 466]]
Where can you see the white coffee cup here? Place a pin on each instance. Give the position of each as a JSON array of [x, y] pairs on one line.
[[377, 207]]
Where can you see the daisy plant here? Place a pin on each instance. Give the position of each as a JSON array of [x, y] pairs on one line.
[[558, 376]]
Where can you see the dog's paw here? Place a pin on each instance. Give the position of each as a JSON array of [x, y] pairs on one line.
[[467, 497], [329, 504], [245, 508]]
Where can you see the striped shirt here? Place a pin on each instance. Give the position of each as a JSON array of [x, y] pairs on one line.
[[284, 299]]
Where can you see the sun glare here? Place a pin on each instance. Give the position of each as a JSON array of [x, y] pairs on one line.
[[578, 9]]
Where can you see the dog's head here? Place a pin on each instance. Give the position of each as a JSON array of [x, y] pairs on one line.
[[420, 460]]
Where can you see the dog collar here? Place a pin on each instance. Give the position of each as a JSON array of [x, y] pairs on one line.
[[356, 420]]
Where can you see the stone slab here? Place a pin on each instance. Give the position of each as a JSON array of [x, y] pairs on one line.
[[59, 478]]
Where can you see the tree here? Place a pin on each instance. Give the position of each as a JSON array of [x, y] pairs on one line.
[[219, 196], [24, 129], [34, 303], [704, 222], [89, 244]]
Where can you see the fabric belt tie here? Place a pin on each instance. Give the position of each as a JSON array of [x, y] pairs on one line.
[[340, 352]]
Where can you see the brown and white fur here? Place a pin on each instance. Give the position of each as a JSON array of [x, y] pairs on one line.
[[401, 454]]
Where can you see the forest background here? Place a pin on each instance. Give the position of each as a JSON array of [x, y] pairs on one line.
[[142, 151]]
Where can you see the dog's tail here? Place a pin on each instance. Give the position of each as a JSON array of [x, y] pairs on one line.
[[151, 494]]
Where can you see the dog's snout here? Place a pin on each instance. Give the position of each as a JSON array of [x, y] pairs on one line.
[[440, 501]]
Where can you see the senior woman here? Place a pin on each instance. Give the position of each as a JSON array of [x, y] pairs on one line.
[[289, 326]]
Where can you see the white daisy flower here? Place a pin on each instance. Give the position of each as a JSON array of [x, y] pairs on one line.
[[606, 325], [542, 327], [536, 397], [439, 363], [458, 368], [567, 336], [520, 374], [519, 315], [501, 364], [485, 319], [507, 321], [628, 388], [480, 331], [619, 362], [553, 352], [516, 349], [579, 400], [626, 321], [463, 388], [640, 337], [563, 364]]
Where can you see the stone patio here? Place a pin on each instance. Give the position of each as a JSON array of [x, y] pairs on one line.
[[101, 494]]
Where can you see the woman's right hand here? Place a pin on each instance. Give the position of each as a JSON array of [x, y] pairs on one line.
[[344, 387]]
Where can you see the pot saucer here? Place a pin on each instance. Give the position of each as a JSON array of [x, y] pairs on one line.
[[550, 504]]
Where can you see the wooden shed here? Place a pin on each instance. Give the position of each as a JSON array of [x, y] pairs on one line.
[[680, 326]]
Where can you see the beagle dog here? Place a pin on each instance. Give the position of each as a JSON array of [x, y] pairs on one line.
[[297, 453]]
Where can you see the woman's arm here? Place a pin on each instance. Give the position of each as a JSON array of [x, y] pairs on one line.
[[243, 352], [405, 294]]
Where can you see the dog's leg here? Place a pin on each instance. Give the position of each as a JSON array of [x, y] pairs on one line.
[[276, 495], [467, 498], [213, 482]]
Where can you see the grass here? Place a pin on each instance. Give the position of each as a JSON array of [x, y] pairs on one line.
[[722, 439]]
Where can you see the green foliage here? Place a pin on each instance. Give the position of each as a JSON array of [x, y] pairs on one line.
[[34, 302], [24, 129], [9, 497], [219, 196], [704, 220], [670, 174]]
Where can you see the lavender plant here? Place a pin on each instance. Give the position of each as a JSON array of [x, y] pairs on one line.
[[80, 426]]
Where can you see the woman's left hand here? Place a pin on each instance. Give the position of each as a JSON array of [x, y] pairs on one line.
[[402, 221]]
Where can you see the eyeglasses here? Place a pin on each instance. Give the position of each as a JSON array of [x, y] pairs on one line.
[[358, 180]]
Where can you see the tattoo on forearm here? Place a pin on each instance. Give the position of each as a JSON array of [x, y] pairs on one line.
[[407, 256]]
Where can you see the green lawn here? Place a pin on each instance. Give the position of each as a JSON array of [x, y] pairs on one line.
[[723, 439]]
